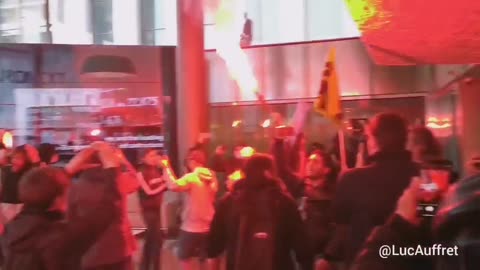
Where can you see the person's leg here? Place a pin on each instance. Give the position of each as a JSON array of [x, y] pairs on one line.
[[145, 260], [153, 240], [202, 250], [186, 250], [157, 240]]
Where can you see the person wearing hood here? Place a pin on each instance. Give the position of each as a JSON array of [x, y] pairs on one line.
[[365, 197], [200, 187], [455, 227], [41, 236], [258, 202]]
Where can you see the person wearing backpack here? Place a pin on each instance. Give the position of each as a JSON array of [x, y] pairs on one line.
[[41, 237], [258, 224]]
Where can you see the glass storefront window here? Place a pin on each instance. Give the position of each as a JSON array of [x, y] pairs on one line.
[[23, 21], [73, 95], [102, 21], [316, 130]]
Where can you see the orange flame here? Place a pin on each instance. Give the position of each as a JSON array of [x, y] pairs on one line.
[[229, 27], [236, 123], [7, 139]]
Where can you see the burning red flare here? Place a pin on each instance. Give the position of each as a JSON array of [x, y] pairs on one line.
[[229, 27]]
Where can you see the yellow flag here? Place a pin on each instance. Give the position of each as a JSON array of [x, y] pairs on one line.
[[328, 102]]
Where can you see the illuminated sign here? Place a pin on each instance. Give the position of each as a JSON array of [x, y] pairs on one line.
[[16, 76], [22, 76]]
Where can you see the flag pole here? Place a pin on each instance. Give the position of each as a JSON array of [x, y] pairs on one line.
[[342, 149]]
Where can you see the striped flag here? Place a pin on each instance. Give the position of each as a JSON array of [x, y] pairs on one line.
[[328, 103]]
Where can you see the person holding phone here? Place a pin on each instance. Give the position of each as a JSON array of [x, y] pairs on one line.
[[365, 197], [435, 180], [455, 224]]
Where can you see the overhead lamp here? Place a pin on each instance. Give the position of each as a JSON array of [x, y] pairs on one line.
[[108, 66]]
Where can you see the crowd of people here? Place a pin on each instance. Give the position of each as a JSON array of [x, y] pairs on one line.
[[292, 208]]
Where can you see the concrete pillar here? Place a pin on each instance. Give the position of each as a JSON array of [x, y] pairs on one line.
[[469, 122], [191, 97], [192, 94]]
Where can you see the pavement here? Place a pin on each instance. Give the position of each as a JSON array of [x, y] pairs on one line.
[[169, 259]]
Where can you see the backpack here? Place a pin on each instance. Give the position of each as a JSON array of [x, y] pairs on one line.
[[256, 233], [42, 250], [29, 257]]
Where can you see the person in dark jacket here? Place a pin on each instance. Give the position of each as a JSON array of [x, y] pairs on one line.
[[455, 227], [41, 237], [150, 197], [247, 34], [114, 247], [426, 148], [288, 229], [319, 191], [316, 190], [366, 196], [23, 159], [423, 145]]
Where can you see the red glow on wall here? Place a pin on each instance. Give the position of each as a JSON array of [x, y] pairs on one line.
[[406, 32]]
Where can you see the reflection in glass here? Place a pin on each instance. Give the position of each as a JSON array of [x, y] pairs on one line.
[[102, 13], [22, 21]]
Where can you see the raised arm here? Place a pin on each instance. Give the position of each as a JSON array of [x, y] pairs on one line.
[[289, 178], [79, 161], [92, 209], [146, 188], [173, 183]]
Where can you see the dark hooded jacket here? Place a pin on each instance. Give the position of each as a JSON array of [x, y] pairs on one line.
[[365, 198], [456, 224], [38, 235], [289, 229], [9, 182]]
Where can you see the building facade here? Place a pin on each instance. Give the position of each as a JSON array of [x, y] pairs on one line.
[[154, 22]]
